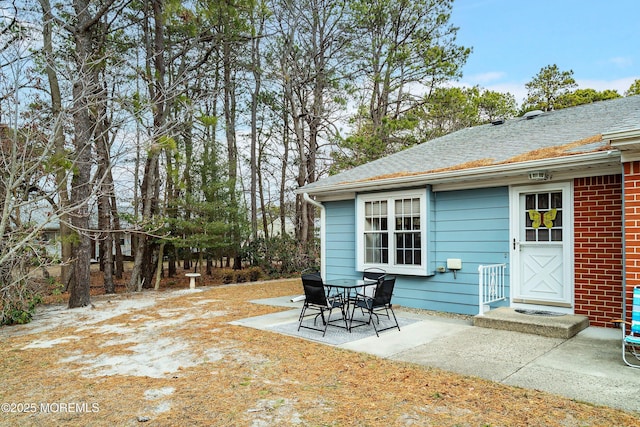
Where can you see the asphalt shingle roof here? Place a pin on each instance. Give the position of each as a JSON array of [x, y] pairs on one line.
[[496, 144]]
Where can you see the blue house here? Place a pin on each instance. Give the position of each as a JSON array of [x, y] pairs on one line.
[[525, 213]]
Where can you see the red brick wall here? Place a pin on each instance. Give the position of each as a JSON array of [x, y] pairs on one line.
[[598, 247], [632, 228]]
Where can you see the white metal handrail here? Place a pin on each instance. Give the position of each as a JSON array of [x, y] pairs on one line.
[[491, 281]]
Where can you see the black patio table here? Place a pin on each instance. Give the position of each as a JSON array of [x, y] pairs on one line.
[[346, 287]]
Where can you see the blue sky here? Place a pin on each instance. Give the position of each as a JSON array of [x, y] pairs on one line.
[[512, 40]]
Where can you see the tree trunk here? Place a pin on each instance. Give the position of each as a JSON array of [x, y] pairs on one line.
[[117, 234], [142, 272], [84, 127], [159, 266], [232, 148], [105, 225], [263, 207], [58, 135], [283, 169], [257, 78]]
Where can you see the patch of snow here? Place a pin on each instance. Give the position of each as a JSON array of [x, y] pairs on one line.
[[162, 407], [213, 355], [154, 359], [50, 343], [144, 351], [206, 301], [187, 291], [157, 393]]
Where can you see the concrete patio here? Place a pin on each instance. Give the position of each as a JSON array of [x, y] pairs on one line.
[[586, 367]]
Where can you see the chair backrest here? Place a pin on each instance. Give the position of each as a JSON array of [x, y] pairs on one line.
[[635, 311], [373, 273], [314, 289], [384, 291]]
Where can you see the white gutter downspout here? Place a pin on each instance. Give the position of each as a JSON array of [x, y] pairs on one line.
[[323, 234]]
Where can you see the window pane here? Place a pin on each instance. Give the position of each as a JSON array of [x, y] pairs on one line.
[[543, 201], [556, 235], [376, 246], [408, 240], [530, 235], [530, 201], [399, 207], [408, 250], [409, 257], [371, 240], [375, 216], [556, 200], [558, 221], [543, 234], [368, 255], [375, 208]]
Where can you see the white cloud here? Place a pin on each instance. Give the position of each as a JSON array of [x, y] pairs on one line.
[[484, 78], [621, 85], [621, 61], [519, 91]]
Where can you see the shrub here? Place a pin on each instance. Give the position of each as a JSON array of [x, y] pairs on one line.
[[282, 255], [227, 276], [19, 310]]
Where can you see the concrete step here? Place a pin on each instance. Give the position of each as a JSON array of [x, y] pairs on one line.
[[506, 318]]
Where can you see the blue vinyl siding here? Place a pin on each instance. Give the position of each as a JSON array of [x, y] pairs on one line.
[[472, 225], [340, 234]]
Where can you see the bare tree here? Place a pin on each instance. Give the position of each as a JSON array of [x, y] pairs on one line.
[[58, 137], [142, 271], [312, 43]]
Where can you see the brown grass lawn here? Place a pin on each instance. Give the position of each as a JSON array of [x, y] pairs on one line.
[[172, 359]]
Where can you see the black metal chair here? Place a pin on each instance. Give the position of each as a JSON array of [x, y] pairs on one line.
[[372, 273], [317, 300], [380, 301]]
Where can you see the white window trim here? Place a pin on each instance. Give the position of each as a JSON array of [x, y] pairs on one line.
[[390, 197]]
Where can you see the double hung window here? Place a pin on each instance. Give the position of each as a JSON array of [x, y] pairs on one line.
[[391, 231]]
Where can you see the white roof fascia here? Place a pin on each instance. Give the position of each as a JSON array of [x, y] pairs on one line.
[[621, 134], [627, 141], [477, 177]]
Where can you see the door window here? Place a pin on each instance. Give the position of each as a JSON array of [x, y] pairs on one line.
[[543, 217]]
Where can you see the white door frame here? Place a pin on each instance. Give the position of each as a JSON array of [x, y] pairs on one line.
[[515, 219]]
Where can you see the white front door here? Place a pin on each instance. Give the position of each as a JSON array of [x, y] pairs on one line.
[[542, 242]]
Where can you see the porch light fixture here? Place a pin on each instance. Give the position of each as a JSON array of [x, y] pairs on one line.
[[539, 176]]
